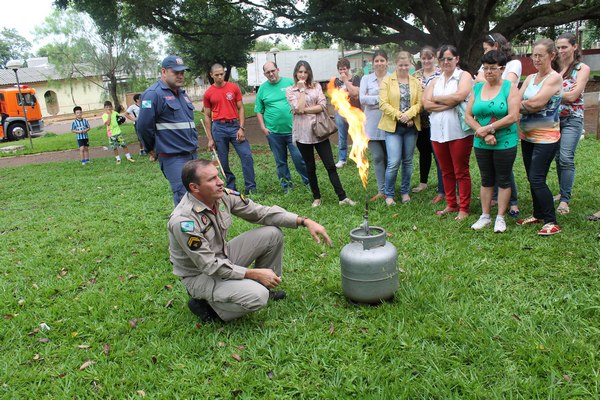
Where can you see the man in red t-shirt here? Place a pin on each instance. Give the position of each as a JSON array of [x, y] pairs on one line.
[[224, 119]]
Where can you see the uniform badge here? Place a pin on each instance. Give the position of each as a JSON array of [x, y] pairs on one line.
[[146, 103], [187, 226], [194, 243], [204, 219]]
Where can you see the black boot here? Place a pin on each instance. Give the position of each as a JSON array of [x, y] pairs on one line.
[[277, 295], [202, 309]]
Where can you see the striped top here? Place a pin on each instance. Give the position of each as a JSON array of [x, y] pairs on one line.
[[542, 126], [80, 125]]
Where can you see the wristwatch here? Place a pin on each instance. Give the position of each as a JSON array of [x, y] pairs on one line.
[[242, 128], [492, 130]]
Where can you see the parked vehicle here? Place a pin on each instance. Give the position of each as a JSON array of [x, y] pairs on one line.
[[322, 61], [12, 126]]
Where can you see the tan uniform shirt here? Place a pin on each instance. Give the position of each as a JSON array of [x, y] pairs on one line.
[[198, 237]]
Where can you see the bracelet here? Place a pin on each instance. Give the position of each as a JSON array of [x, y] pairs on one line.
[[302, 90], [492, 130], [302, 219], [242, 128]]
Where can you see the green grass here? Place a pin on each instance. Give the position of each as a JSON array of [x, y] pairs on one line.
[[52, 142], [477, 314]]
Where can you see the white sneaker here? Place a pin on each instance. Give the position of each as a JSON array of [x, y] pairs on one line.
[[340, 164], [499, 225], [481, 223], [316, 203], [347, 201]]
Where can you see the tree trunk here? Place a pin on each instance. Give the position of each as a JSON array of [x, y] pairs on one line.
[[112, 89]]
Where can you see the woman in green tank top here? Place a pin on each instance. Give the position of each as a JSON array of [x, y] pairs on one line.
[[493, 111]]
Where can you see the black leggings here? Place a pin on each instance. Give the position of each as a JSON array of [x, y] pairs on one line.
[[425, 153], [324, 150]]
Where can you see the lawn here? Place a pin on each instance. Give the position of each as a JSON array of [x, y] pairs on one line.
[[91, 309]]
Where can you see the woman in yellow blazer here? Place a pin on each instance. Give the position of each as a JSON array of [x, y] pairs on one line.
[[400, 103]]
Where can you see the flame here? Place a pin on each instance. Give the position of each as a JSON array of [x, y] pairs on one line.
[[356, 123]]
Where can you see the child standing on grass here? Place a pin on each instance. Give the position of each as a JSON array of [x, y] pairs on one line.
[[80, 127], [113, 130], [132, 113]]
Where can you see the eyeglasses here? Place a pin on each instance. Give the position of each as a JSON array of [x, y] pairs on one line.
[[447, 59], [271, 71], [492, 69]]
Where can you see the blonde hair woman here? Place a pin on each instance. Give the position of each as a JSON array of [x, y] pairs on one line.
[[400, 103]]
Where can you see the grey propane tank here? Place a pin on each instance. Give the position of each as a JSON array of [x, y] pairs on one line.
[[369, 266]]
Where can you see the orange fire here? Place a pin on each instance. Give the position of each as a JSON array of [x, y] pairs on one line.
[[356, 122]]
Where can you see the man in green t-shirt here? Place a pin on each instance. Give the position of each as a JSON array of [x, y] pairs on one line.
[[275, 118]]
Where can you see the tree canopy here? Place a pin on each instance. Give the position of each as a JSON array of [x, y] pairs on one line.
[[226, 29], [79, 46], [12, 46]]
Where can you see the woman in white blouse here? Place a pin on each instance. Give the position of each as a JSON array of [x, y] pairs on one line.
[[451, 143]]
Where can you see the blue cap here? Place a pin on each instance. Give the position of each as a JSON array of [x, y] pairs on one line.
[[175, 63]]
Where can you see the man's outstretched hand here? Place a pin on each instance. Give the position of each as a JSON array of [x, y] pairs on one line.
[[315, 229]]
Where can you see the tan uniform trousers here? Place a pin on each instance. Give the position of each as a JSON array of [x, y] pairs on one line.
[[233, 299]]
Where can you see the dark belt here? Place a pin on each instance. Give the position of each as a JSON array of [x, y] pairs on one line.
[[226, 121], [185, 153]]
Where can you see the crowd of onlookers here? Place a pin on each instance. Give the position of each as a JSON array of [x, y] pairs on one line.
[[447, 113]]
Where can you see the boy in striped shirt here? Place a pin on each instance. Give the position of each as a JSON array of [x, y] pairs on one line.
[[80, 127]]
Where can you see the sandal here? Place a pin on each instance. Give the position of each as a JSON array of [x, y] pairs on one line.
[[461, 215], [562, 210], [437, 198], [377, 197], [447, 210], [549, 229], [593, 217], [529, 221], [419, 188]]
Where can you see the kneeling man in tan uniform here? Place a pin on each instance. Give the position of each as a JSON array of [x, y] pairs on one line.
[[215, 271]]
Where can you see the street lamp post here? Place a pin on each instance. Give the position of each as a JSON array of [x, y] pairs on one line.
[[274, 51], [15, 65]]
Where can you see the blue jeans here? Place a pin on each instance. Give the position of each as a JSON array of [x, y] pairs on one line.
[[223, 134], [537, 158], [280, 144], [571, 129], [378, 152], [342, 137], [171, 168], [400, 147]]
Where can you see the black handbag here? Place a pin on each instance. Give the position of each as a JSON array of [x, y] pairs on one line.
[[323, 126]]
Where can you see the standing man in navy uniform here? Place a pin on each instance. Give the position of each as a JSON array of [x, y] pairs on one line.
[[224, 117], [166, 123]]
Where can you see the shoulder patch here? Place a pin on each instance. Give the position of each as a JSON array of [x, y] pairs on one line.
[[187, 226], [236, 193], [194, 243], [147, 104], [244, 199]]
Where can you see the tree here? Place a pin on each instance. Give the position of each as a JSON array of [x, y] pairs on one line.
[[12, 46], [78, 48], [227, 28], [415, 23]]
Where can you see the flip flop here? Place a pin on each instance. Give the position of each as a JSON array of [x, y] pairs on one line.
[[563, 210], [447, 211]]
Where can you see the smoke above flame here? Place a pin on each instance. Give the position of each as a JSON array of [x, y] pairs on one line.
[[356, 122]]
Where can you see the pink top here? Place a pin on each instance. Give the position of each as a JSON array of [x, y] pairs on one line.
[[302, 123]]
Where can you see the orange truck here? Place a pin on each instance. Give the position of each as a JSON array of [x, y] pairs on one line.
[[12, 126]]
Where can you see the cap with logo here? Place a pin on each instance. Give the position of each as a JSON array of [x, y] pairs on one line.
[[175, 63]]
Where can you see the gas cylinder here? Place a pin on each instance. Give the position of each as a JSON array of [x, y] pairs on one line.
[[369, 266]]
